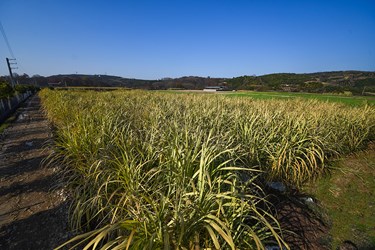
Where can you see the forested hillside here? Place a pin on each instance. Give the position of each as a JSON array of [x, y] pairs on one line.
[[353, 82]]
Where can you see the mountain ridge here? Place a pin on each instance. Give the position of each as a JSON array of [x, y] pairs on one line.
[[355, 81]]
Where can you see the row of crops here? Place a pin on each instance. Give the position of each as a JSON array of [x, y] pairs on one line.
[[154, 170]]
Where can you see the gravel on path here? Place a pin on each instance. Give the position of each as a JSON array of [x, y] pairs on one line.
[[33, 206]]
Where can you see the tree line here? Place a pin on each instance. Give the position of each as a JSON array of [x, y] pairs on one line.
[[355, 82]]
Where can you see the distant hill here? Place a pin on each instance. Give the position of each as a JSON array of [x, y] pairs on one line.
[[78, 80], [356, 82]]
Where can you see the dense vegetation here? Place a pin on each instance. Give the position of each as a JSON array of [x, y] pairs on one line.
[[6, 90], [158, 170]]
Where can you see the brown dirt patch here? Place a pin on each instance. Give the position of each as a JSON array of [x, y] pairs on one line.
[[33, 207], [303, 227]]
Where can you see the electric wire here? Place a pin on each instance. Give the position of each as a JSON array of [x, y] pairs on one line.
[[6, 40], [10, 48]]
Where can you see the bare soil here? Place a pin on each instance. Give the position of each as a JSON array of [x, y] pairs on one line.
[[33, 207], [303, 224]]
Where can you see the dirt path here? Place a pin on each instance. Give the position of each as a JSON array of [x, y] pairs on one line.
[[33, 210]]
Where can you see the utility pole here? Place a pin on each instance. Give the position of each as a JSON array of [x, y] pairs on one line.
[[363, 91], [9, 63]]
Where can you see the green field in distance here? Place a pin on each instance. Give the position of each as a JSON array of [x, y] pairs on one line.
[[350, 100]]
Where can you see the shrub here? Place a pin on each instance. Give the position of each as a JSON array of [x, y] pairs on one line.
[[22, 88], [5, 90]]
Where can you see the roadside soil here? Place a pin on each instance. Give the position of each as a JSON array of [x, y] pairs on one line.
[[33, 206]]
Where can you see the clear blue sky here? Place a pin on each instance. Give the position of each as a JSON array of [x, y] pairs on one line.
[[217, 38]]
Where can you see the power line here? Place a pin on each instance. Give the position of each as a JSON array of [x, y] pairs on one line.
[[6, 40], [10, 49]]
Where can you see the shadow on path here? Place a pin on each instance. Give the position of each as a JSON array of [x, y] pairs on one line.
[[33, 206]]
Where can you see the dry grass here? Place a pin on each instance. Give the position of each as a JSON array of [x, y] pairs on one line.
[[158, 170]]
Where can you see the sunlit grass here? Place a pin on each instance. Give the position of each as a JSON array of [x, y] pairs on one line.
[[158, 170], [348, 197]]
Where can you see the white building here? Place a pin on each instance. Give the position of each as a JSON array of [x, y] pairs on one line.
[[214, 88]]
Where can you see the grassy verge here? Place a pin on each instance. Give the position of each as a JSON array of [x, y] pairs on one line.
[[348, 197]]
